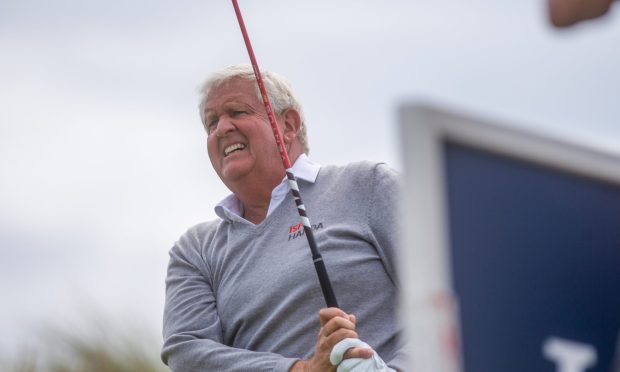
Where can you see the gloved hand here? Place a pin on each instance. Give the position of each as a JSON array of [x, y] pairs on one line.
[[373, 364]]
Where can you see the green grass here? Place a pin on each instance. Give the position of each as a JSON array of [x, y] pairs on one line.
[[95, 347]]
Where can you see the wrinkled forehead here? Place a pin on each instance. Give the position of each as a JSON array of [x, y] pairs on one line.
[[232, 89]]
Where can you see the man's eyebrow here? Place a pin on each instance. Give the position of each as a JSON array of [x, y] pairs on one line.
[[226, 105], [227, 102]]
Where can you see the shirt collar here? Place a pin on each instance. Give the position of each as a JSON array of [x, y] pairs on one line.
[[304, 169]]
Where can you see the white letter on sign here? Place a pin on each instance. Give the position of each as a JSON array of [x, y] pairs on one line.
[[569, 356]]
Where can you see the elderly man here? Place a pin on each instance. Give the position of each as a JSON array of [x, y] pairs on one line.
[[241, 291]]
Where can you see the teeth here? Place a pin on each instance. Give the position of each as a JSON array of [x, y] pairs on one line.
[[235, 147]]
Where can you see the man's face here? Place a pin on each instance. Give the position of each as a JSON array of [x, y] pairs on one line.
[[240, 140]]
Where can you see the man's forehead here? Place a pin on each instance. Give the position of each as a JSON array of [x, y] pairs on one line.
[[235, 90]]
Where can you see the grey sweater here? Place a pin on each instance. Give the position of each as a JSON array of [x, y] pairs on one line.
[[245, 297]]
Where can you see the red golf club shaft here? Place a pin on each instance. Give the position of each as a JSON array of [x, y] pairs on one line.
[[319, 265]]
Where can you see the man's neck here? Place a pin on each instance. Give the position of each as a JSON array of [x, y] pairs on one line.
[[255, 195], [256, 215]]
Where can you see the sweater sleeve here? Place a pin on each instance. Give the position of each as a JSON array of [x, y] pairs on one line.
[[384, 231], [382, 217], [192, 330]]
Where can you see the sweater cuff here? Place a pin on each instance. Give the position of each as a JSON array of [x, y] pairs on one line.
[[399, 363]]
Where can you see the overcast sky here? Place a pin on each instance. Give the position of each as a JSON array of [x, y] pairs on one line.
[[103, 160]]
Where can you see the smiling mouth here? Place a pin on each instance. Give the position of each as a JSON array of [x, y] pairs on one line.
[[233, 148]]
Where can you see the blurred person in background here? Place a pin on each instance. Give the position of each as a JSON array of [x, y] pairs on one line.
[[241, 291], [564, 13]]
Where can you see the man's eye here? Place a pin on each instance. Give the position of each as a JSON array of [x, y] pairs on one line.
[[237, 113], [211, 125]]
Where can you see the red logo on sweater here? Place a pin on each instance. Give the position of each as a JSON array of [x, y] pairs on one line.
[[295, 231]]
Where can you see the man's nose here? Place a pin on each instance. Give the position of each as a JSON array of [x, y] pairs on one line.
[[224, 126]]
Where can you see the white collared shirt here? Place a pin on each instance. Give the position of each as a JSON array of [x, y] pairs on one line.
[[304, 169]]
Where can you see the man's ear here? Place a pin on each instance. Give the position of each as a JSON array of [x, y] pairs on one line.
[[291, 123]]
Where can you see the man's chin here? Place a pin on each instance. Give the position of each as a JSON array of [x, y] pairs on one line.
[[234, 171]]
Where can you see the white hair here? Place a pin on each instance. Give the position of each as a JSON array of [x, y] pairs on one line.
[[278, 89]]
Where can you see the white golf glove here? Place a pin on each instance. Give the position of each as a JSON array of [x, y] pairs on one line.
[[372, 364]]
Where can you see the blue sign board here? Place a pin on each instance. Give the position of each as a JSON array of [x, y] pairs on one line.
[[535, 262]]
